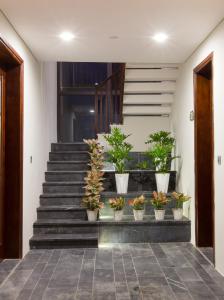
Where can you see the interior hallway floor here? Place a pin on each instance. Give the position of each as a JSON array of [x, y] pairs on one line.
[[112, 272]]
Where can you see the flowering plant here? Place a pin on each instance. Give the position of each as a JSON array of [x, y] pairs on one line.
[[94, 178], [137, 203], [117, 203], [159, 200], [180, 199]]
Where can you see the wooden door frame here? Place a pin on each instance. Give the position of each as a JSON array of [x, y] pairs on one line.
[[196, 71], [13, 65]]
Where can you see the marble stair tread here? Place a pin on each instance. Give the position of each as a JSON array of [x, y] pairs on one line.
[[67, 161], [61, 208], [128, 220], [148, 219], [64, 182], [130, 194], [61, 195], [65, 172], [65, 236], [64, 222]]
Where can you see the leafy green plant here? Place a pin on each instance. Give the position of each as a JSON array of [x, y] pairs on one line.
[[180, 199], [117, 203], [143, 165], [94, 178], [120, 149], [159, 200], [160, 151]]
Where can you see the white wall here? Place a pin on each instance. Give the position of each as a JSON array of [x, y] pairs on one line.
[[141, 127], [184, 131], [37, 132]]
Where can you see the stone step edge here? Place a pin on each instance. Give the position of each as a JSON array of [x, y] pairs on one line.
[[73, 222], [64, 237], [63, 208], [61, 183]]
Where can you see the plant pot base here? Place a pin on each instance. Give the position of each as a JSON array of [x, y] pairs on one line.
[[138, 214], [92, 215], [159, 214]]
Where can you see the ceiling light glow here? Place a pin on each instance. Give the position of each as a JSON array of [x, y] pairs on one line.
[[160, 37], [67, 36], [92, 111]]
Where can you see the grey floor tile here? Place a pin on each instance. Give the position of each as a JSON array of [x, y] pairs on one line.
[[140, 250], [157, 293], [90, 253], [199, 291], [148, 280], [59, 294], [147, 265], [8, 264], [119, 272], [104, 259], [187, 274], [104, 296], [24, 294]]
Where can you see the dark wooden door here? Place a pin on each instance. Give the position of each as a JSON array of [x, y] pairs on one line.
[[2, 158], [204, 155]]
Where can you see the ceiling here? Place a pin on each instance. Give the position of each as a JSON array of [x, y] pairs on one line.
[[134, 21]]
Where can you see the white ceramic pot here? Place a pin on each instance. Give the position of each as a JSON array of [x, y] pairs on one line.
[[118, 214], [92, 215], [159, 214], [122, 183], [162, 182], [178, 214], [138, 214]]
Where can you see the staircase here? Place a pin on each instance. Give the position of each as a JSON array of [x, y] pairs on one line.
[[61, 221]]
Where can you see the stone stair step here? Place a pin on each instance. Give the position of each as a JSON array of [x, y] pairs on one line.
[[69, 156], [61, 212], [63, 241], [69, 147], [64, 187], [52, 176], [61, 199], [67, 165], [68, 226]]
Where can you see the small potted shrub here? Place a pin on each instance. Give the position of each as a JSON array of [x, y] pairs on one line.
[[138, 205], [160, 152], [118, 154], [94, 180], [159, 201], [180, 198], [117, 204]]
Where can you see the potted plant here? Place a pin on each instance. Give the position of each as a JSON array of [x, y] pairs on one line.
[[160, 152], [118, 154], [159, 201], [138, 205], [117, 204], [180, 198], [94, 180]]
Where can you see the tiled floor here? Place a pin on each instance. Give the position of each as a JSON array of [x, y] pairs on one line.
[[208, 252], [120, 272]]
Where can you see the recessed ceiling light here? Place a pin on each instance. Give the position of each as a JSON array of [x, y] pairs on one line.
[[67, 36], [92, 111], [160, 37]]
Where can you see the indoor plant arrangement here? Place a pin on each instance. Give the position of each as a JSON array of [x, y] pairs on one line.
[[159, 201], [118, 155], [162, 144], [94, 180], [138, 205], [178, 210], [117, 204]]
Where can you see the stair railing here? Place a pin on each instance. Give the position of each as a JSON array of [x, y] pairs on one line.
[[109, 101]]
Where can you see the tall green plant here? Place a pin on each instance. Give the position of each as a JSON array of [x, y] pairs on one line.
[[94, 178], [162, 144], [120, 149]]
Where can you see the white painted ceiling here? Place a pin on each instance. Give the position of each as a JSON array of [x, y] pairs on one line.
[[187, 22]]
